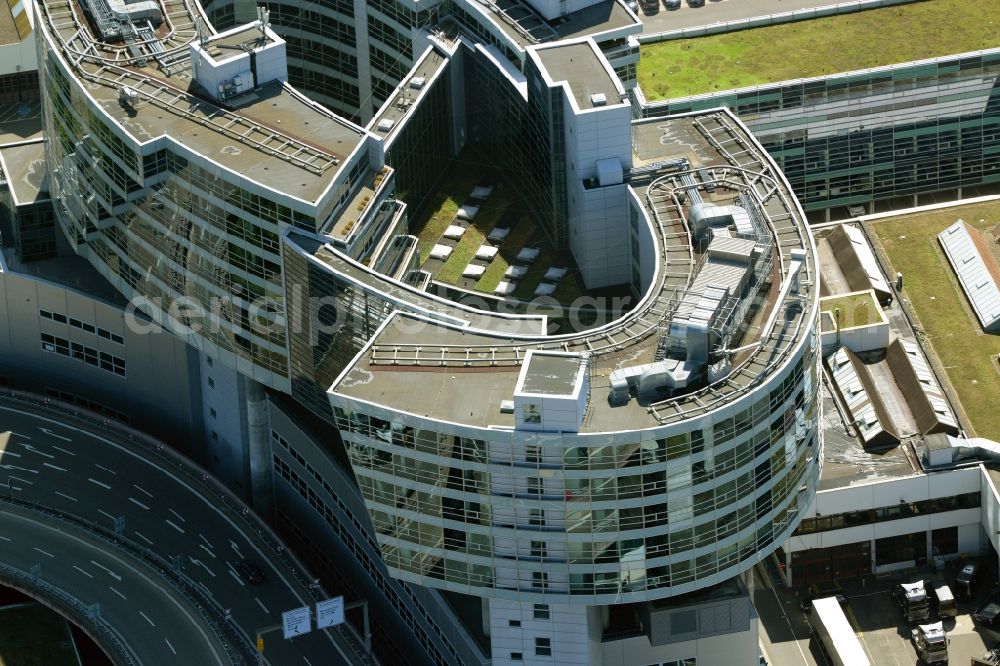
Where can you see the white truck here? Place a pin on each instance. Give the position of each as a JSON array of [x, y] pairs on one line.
[[835, 633], [931, 643]]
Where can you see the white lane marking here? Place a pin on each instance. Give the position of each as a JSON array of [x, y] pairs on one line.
[[29, 447], [19, 434], [176, 514], [142, 537], [236, 548], [202, 565], [146, 619], [59, 448], [236, 578], [43, 552], [207, 550], [109, 471], [72, 499], [261, 604], [17, 488], [16, 478], [20, 469], [109, 571], [308, 663], [175, 526], [105, 513], [170, 646], [99, 483], [49, 432], [118, 593], [11, 454], [137, 502], [142, 490], [55, 467], [83, 571], [4, 538]]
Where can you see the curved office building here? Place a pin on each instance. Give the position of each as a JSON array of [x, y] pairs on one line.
[[660, 453]]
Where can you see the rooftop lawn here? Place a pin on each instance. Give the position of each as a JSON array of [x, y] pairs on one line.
[[33, 635], [966, 352], [817, 47], [855, 309]]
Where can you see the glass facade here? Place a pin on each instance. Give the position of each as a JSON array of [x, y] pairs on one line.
[[602, 518], [877, 134]]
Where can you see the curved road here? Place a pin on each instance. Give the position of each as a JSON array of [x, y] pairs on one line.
[[170, 628], [62, 464]]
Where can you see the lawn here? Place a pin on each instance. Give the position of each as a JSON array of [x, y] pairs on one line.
[[855, 309], [32, 635], [452, 193], [817, 47], [967, 354], [475, 235], [519, 235]]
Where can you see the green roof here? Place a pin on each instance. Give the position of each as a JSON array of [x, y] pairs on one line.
[[817, 47]]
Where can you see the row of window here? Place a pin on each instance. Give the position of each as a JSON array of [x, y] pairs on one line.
[[886, 513], [87, 403], [88, 355], [350, 538], [82, 325]]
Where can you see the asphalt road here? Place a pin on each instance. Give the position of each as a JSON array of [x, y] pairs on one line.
[[165, 628], [719, 11], [98, 479]]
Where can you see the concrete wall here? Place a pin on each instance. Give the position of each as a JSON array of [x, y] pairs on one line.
[[159, 393], [514, 629], [889, 493], [732, 649], [224, 414]]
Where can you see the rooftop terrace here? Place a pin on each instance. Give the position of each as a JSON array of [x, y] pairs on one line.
[[462, 375], [817, 47], [273, 135]]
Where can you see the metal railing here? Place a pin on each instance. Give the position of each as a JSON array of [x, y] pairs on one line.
[[199, 480]]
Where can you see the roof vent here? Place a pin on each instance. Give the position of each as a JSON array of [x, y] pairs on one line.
[[598, 99], [417, 82], [506, 406], [386, 124]]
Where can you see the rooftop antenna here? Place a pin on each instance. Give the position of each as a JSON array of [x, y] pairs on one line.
[[203, 33], [263, 19]]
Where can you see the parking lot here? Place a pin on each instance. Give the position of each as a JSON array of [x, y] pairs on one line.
[[878, 621], [718, 11]]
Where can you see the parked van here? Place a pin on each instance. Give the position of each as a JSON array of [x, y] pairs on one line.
[[966, 580], [942, 600]]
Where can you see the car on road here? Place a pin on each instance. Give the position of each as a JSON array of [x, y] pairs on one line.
[[672, 4], [250, 571], [649, 6], [696, 3]]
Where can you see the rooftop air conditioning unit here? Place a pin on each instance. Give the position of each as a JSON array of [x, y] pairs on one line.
[[386, 124], [417, 82], [598, 99]]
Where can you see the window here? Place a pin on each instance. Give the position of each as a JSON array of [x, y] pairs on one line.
[[536, 517], [534, 485], [208, 359], [211, 410], [539, 549], [516, 656], [532, 414], [211, 383], [541, 612], [215, 436], [533, 454], [543, 646], [539, 580], [515, 623]]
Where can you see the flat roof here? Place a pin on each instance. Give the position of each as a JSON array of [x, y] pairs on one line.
[[437, 371], [246, 36], [8, 30], [580, 65], [550, 374], [24, 166], [596, 19], [273, 136], [816, 47], [396, 108]]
